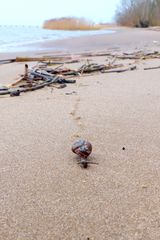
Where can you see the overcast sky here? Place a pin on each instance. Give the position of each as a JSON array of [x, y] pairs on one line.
[[34, 12]]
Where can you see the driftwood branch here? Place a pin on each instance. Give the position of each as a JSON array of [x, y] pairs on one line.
[[119, 70], [6, 61], [19, 80], [150, 68], [34, 80]]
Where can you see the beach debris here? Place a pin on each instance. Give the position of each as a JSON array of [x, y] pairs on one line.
[[49, 60], [83, 70], [63, 71], [43, 74], [2, 88], [152, 68], [138, 55], [71, 93], [26, 71], [92, 67], [40, 76], [6, 61], [48, 63], [34, 79], [65, 59], [15, 93], [59, 86], [123, 148], [141, 54], [83, 149], [120, 70]]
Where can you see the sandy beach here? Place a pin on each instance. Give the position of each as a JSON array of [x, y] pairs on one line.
[[44, 194]]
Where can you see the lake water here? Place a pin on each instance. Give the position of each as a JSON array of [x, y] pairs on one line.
[[19, 38]]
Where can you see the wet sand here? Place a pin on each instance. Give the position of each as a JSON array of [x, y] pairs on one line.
[[124, 39], [45, 195]]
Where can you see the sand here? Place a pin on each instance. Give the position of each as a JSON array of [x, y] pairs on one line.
[[44, 194]]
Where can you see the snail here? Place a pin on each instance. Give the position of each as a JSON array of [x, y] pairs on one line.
[[83, 149]]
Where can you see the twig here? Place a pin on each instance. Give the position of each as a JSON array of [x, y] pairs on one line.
[[150, 68], [6, 61], [119, 70]]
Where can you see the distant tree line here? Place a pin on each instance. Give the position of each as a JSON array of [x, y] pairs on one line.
[[138, 13], [70, 23]]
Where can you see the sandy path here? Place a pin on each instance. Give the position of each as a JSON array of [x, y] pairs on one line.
[[45, 195]]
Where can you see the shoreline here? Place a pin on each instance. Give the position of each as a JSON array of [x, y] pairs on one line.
[[43, 191], [29, 44]]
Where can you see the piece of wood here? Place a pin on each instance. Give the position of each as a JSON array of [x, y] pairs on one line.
[[6, 61], [150, 68], [19, 80], [42, 59], [26, 71], [5, 92], [33, 88], [96, 54], [119, 70], [58, 62]]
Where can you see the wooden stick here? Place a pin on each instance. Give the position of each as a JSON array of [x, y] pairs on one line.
[[26, 71], [41, 59], [150, 68], [16, 82], [119, 70], [33, 88], [5, 61]]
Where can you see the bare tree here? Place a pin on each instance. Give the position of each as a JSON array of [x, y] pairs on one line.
[[139, 13]]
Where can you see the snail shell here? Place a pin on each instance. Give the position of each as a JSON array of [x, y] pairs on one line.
[[82, 148]]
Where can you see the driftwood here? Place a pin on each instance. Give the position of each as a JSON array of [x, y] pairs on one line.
[[42, 74], [150, 68], [19, 80], [33, 88], [93, 67], [120, 70], [43, 59], [126, 55], [51, 60], [26, 71], [50, 77], [84, 69], [34, 80], [138, 55], [96, 54], [49, 81], [5, 61], [62, 71], [59, 62]]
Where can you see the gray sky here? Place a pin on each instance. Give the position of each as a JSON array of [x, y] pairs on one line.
[[34, 12]]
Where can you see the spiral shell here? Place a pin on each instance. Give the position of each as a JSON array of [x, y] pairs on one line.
[[82, 148]]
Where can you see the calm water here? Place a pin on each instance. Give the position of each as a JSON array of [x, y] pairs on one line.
[[19, 38]]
